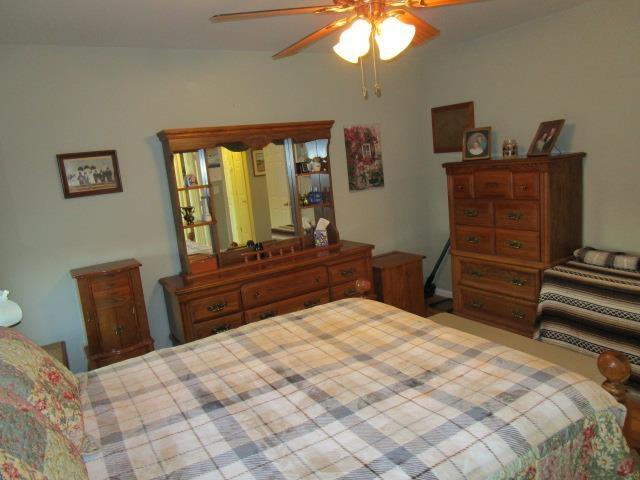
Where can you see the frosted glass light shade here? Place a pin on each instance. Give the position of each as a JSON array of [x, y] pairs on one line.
[[354, 42], [393, 37], [10, 312]]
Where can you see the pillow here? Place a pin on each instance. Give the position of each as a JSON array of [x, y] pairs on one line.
[[602, 258], [33, 448], [40, 380]]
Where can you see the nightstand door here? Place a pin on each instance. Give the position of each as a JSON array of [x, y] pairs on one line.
[[118, 327]]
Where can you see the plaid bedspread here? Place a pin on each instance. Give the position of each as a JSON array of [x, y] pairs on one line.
[[354, 389]]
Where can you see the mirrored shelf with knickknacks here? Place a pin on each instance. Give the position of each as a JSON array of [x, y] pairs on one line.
[[247, 204]]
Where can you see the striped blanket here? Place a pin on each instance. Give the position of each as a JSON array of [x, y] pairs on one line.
[[354, 389], [591, 309]]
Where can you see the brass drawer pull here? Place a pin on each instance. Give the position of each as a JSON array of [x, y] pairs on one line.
[[519, 315], [348, 272], [491, 184], [311, 303], [460, 187], [217, 307], [477, 273], [268, 314], [518, 282], [524, 187], [473, 239], [118, 330], [352, 292], [515, 244], [471, 212], [477, 304], [517, 216], [220, 329]]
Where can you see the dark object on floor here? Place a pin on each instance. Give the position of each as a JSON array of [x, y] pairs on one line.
[[437, 304], [430, 286]]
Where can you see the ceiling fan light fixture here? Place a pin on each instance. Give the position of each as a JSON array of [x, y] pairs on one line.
[[354, 42], [393, 37]]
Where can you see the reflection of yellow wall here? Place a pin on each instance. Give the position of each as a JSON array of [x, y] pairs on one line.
[[236, 178]]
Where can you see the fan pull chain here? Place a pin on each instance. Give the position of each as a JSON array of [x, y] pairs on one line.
[[365, 92], [377, 88]]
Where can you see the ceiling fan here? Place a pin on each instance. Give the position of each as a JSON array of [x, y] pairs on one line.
[[387, 24]]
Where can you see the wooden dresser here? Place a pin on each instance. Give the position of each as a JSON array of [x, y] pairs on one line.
[[115, 316], [510, 220], [236, 295]]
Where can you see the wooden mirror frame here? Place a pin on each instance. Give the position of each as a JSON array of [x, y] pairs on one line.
[[182, 140]]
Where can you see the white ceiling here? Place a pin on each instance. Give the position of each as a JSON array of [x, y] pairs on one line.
[[185, 24]]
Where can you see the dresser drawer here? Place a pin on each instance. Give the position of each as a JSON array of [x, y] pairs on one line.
[[287, 306], [473, 213], [526, 185], [213, 306], [286, 286], [518, 244], [217, 325], [346, 290], [352, 270], [514, 214], [475, 239], [514, 315], [462, 186], [507, 279], [492, 184], [111, 290]]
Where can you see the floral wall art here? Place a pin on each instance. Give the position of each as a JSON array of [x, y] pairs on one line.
[[364, 156]]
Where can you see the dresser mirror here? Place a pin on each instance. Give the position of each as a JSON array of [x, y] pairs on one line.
[[230, 186]]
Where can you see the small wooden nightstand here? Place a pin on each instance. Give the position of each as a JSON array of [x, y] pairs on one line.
[[397, 277], [58, 350]]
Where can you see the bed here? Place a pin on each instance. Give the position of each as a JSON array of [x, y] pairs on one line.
[[592, 308], [353, 389]]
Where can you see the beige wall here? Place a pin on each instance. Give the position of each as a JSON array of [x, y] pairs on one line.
[[582, 64], [57, 99]]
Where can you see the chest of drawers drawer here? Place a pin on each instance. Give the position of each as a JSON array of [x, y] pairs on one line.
[[469, 212], [346, 290], [295, 304], [287, 286], [508, 279], [475, 239], [518, 244], [511, 314], [526, 185], [348, 271], [492, 184], [517, 214], [214, 305], [462, 186], [218, 325]]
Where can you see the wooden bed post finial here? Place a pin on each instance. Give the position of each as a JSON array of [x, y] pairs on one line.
[[615, 367], [363, 286]]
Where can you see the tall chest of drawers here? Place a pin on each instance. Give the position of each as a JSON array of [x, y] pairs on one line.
[[509, 221], [230, 298]]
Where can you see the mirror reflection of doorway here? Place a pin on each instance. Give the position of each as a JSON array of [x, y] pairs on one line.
[[238, 197], [278, 192]]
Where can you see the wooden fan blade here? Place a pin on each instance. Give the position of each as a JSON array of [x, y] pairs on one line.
[[227, 17], [424, 30], [314, 37]]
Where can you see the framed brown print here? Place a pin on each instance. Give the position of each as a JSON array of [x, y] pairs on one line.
[[89, 173], [476, 144], [448, 123], [546, 138], [259, 168]]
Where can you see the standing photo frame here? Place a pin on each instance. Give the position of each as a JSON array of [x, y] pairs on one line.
[[476, 144], [89, 173], [545, 138]]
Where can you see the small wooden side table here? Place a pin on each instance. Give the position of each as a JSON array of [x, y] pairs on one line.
[[58, 350], [398, 281]]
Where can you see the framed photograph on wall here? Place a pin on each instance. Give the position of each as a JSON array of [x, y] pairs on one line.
[[546, 138], [89, 173], [448, 123], [476, 144], [259, 168]]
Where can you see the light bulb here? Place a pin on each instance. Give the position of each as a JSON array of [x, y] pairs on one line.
[[354, 42], [393, 37]]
